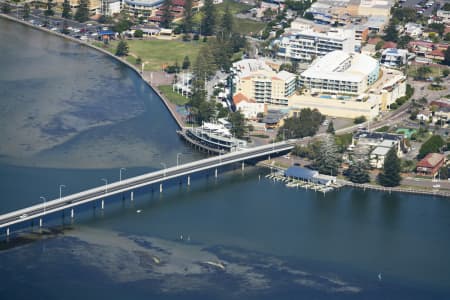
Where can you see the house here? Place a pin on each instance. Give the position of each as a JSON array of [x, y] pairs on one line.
[[393, 57], [377, 156], [379, 144], [428, 50], [273, 119], [425, 115], [430, 164], [414, 30], [248, 107]]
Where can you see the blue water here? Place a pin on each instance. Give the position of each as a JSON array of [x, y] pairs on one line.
[[274, 242]]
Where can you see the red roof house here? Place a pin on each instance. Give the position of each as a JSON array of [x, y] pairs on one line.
[[430, 164]]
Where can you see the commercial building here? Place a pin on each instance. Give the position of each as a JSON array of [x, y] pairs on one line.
[[392, 57], [431, 164], [341, 73], [255, 80], [308, 44]]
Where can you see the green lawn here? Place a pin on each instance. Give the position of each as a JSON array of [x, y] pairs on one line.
[[245, 26], [436, 71], [156, 53], [172, 96], [235, 7]]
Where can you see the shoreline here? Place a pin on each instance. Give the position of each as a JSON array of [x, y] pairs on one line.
[[397, 189], [165, 101]]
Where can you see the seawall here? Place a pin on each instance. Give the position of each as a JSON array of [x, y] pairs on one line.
[[166, 102]]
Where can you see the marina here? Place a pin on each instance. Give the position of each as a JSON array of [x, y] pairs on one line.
[[296, 183]]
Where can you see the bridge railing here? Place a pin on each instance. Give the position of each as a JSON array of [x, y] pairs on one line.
[[125, 182]]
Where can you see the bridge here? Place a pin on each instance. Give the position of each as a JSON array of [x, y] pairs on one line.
[[158, 177]]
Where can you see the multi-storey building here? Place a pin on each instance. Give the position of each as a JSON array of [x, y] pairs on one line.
[[308, 44], [341, 73], [256, 80]]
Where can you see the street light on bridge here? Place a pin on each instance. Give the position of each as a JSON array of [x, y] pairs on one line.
[[60, 189], [120, 173], [43, 198], [164, 165], [178, 156], [106, 184]]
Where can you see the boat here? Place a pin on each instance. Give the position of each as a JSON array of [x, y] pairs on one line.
[[215, 264]]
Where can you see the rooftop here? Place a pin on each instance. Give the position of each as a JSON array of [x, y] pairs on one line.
[[332, 63], [300, 172], [377, 135], [431, 160]]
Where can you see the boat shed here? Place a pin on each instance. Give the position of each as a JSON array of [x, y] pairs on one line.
[[301, 173], [304, 174]]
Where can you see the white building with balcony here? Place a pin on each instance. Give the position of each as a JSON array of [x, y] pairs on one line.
[[340, 72], [308, 44]]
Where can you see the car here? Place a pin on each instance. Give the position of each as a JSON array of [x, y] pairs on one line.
[[436, 186], [23, 216]]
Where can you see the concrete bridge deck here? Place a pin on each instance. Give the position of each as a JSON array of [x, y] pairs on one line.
[[102, 192]]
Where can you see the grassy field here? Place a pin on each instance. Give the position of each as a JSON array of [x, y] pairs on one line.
[[245, 26], [436, 71], [235, 7], [157, 53], [172, 96]]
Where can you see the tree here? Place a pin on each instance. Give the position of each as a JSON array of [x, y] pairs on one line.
[[390, 175], [82, 13], [238, 127], [305, 124], [358, 172], [65, 30], [138, 33], [6, 8], [209, 19], [438, 27], [26, 11], [49, 11], [187, 22], [390, 33], [359, 120], [379, 45], [122, 48], [166, 18], [433, 144], [447, 57], [330, 128], [186, 63], [123, 23], [227, 23], [139, 61], [67, 11], [328, 159], [423, 72]]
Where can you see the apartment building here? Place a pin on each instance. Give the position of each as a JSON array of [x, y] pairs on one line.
[[255, 80], [341, 73], [308, 44]]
